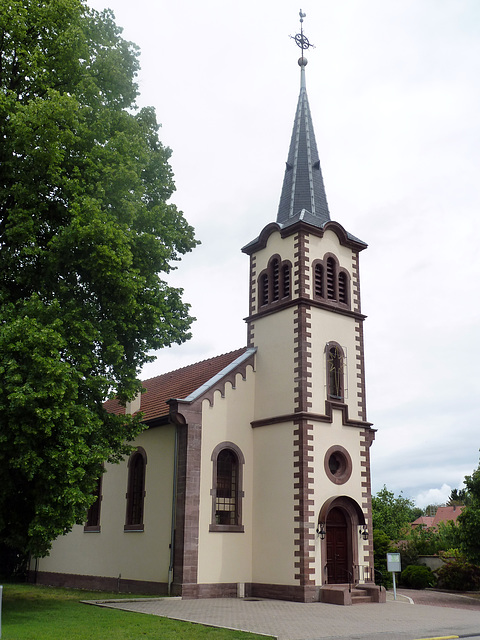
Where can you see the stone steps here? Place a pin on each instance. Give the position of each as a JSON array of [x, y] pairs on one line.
[[344, 594], [360, 596]]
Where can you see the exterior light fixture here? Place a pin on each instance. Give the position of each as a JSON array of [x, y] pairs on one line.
[[321, 530], [364, 533]]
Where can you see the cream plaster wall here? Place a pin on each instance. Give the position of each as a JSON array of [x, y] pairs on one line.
[[274, 337], [112, 552], [227, 557], [284, 247], [326, 435], [326, 327], [273, 512]]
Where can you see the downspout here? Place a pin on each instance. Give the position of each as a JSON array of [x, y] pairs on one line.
[[174, 513]]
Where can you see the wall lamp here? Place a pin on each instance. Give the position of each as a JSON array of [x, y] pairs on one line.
[[364, 533], [321, 530]]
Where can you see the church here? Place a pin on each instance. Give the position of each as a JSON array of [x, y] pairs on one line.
[[252, 477]]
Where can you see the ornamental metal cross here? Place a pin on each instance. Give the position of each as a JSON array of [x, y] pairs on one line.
[[300, 39]]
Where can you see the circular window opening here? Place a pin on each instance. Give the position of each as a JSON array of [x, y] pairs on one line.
[[338, 464]]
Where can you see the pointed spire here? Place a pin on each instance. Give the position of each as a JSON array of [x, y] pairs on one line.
[[303, 194]]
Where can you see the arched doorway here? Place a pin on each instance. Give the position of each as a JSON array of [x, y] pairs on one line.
[[338, 547], [339, 520]]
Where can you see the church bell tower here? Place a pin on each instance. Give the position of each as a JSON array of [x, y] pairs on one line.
[[312, 497]]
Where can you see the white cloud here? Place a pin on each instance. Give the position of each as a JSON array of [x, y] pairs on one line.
[[433, 496]]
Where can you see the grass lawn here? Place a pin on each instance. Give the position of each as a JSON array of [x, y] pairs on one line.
[[33, 612]]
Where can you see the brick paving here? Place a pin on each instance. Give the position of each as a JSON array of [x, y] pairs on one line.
[[437, 615]]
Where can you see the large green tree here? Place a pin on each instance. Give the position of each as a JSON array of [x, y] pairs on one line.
[[469, 520], [392, 514], [85, 230]]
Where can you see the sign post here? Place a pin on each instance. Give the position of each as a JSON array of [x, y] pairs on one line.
[[394, 564]]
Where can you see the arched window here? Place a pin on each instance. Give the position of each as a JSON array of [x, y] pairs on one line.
[[342, 287], [335, 372], [286, 280], [136, 490], [93, 513], [274, 282], [264, 289], [331, 276], [318, 280], [227, 491], [275, 279]]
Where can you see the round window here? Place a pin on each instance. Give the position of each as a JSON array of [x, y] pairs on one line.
[[338, 464]]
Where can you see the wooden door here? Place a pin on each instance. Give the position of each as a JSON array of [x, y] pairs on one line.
[[337, 547]]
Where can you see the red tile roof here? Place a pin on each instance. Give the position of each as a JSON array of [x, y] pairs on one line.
[[444, 514], [176, 384], [423, 521]]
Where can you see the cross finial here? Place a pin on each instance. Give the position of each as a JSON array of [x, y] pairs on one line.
[[300, 39]]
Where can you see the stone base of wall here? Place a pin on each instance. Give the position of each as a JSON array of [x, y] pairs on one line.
[[188, 591], [294, 593], [97, 583]]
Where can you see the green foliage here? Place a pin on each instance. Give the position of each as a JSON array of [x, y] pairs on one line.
[[459, 574], [428, 542], [392, 514], [417, 577], [458, 497], [469, 519], [381, 546], [42, 613], [85, 231]]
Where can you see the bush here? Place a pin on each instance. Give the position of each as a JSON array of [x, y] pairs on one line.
[[428, 542], [382, 545], [417, 577], [459, 575]]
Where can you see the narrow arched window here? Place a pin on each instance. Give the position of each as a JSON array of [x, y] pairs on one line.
[[275, 279], [136, 491], [227, 485], [286, 280], [331, 276], [342, 287], [335, 372], [93, 513], [227, 491], [318, 280], [264, 289]]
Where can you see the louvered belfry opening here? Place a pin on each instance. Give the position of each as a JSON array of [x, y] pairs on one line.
[[276, 279], [319, 281], [331, 278], [264, 289], [342, 287], [286, 280]]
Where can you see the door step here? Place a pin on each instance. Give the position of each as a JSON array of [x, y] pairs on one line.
[[360, 596], [344, 594]]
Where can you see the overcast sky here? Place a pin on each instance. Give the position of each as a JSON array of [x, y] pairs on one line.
[[394, 90]]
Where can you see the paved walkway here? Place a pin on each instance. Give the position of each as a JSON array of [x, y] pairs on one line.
[[433, 615]]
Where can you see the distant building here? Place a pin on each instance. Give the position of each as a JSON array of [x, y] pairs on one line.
[[443, 514], [253, 477]]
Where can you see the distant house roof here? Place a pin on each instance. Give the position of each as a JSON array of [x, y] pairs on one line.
[[184, 383], [444, 514], [423, 521]]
